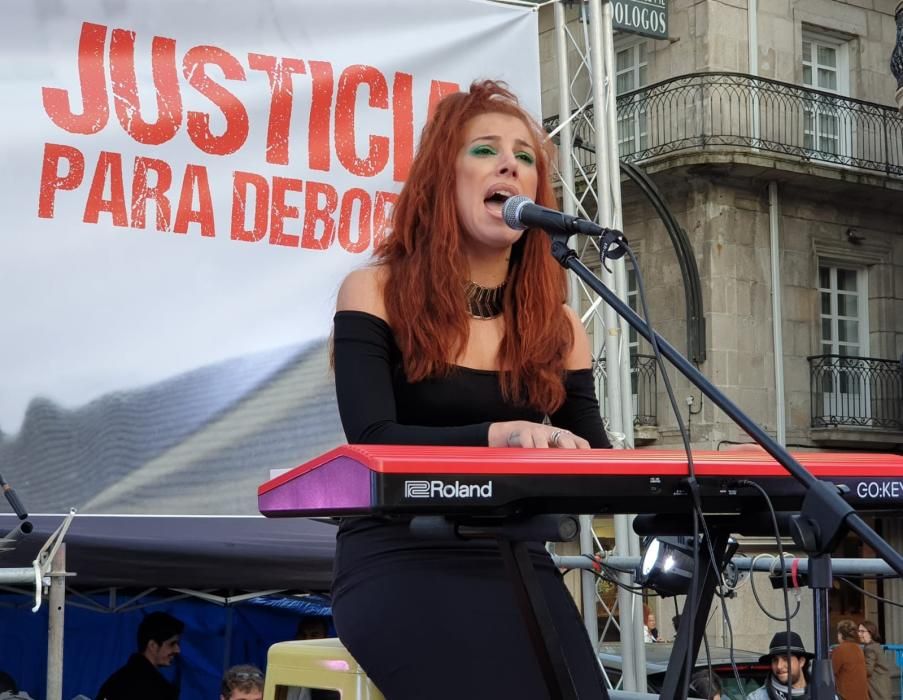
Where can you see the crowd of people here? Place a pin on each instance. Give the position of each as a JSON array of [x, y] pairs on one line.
[[159, 638], [862, 669]]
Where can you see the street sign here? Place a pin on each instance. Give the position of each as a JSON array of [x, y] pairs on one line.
[[644, 17]]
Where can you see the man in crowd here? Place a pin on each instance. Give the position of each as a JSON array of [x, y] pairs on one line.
[[243, 682], [783, 682], [139, 679]]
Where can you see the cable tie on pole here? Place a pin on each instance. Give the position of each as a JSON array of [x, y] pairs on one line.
[[794, 572]]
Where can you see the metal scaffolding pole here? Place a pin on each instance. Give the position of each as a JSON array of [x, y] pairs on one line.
[[840, 566], [566, 173], [587, 106], [55, 621], [620, 401]]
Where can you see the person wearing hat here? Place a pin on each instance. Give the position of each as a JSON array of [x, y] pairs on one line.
[[780, 677]]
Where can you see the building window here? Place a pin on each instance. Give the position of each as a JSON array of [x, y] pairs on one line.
[[843, 295], [826, 68], [844, 307], [631, 70]]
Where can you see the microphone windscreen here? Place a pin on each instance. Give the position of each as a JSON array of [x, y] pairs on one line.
[[511, 211]]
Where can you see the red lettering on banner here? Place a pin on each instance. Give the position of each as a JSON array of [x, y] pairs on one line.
[[363, 237], [95, 104], [355, 218], [52, 180], [236, 133], [318, 142], [382, 215], [438, 90], [241, 183], [340, 122], [108, 170], [402, 125], [281, 211], [329, 128], [125, 88], [141, 192], [314, 213], [378, 154], [195, 180], [279, 71]]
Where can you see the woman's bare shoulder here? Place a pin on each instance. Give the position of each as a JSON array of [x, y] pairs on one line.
[[362, 290]]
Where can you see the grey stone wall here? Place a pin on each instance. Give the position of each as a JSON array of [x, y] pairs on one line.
[[712, 35], [727, 220]]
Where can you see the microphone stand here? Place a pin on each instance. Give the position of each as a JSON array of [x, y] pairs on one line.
[[824, 516]]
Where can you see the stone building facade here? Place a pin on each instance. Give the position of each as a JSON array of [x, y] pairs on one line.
[[796, 146]]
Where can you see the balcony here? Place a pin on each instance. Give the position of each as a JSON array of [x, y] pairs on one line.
[[717, 110], [643, 387], [855, 394]]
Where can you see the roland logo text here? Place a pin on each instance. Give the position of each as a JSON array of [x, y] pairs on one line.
[[446, 489]]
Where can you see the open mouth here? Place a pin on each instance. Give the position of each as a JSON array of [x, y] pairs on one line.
[[496, 200]]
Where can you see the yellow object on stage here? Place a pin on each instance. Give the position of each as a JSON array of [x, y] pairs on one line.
[[310, 669]]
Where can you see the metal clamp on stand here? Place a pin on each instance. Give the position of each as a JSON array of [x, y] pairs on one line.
[[512, 536]]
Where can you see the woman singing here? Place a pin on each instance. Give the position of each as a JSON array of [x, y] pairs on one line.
[[458, 334]]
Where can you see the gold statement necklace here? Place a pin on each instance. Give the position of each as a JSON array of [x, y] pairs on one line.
[[484, 302]]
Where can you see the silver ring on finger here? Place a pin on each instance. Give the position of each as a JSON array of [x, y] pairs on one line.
[[556, 435]]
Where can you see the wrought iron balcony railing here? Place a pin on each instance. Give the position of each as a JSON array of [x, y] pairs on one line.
[[708, 110], [856, 391], [643, 386]]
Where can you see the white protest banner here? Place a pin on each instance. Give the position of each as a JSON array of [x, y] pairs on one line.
[[187, 182]]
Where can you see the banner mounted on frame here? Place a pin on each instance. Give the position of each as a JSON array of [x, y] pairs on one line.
[[188, 182]]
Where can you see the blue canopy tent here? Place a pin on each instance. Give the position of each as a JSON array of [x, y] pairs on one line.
[[98, 639], [207, 571]]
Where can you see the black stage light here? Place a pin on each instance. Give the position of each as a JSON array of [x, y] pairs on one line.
[[667, 565]]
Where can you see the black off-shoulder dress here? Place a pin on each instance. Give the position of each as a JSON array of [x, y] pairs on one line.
[[438, 620]]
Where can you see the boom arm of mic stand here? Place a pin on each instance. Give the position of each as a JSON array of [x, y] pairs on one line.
[[820, 498]]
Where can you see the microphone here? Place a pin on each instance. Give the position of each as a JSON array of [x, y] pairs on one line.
[[520, 212]]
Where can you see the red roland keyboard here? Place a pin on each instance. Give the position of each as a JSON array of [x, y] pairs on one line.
[[405, 479]]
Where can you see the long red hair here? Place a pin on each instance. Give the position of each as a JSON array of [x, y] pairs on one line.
[[425, 264]]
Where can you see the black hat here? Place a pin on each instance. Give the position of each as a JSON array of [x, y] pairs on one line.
[[781, 643]]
